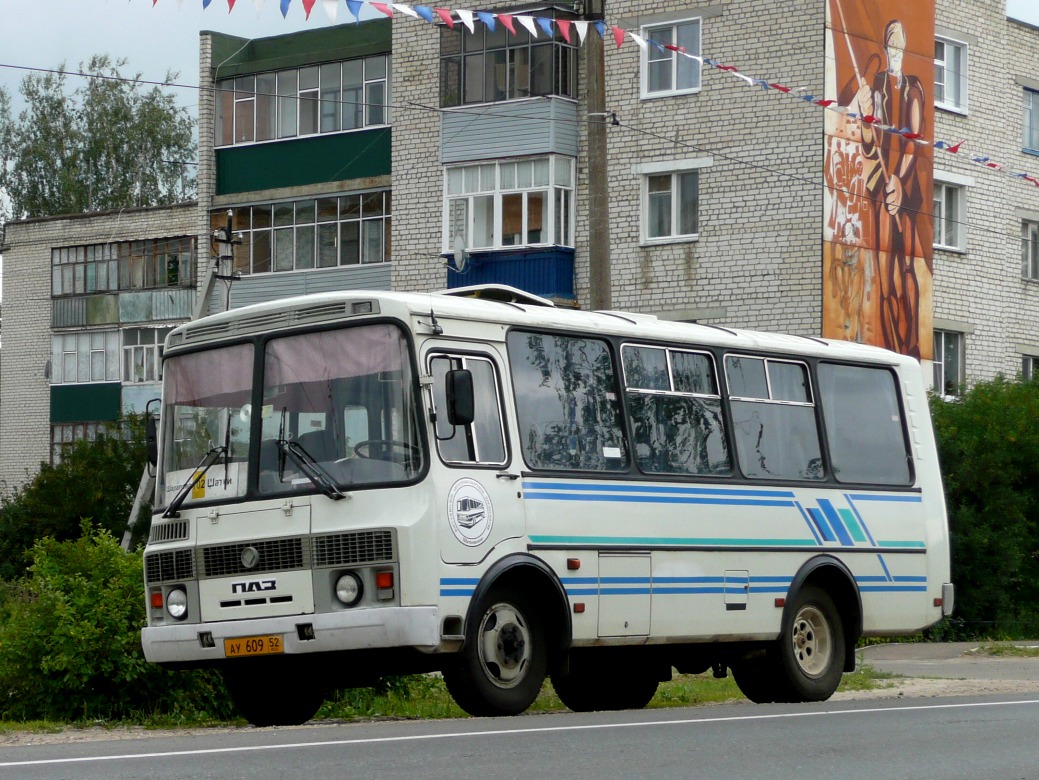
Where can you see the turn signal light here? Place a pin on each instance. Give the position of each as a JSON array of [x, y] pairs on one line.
[[156, 599], [383, 580]]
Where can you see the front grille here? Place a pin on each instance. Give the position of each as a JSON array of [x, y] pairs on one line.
[[176, 531], [274, 555], [168, 566], [353, 548]]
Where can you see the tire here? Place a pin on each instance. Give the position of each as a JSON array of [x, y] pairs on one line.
[[591, 687], [760, 679], [811, 649], [272, 696], [502, 665]]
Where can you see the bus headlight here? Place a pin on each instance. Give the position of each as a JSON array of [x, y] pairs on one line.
[[177, 604], [349, 589]]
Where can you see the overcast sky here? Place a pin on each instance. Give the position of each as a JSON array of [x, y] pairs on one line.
[[156, 38]]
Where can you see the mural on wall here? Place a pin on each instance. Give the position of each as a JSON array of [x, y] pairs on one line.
[[877, 239]]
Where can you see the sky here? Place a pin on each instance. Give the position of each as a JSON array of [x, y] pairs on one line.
[[158, 37]]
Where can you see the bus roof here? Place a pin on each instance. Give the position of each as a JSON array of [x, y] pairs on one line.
[[510, 308]]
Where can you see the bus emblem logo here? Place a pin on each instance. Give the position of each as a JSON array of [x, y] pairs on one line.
[[469, 512]]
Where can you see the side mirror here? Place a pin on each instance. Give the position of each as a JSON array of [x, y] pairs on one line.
[[151, 432], [461, 404]]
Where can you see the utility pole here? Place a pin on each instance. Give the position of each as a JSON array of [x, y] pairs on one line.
[[599, 281]]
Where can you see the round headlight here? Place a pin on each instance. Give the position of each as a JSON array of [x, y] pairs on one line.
[[348, 589], [177, 604]]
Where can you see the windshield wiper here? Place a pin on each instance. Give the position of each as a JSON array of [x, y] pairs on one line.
[[311, 469], [200, 472]]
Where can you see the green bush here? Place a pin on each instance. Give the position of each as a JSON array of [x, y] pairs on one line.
[[988, 443], [95, 479], [70, 641]]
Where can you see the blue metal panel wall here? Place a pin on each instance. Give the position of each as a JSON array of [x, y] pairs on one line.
[[545, 272]]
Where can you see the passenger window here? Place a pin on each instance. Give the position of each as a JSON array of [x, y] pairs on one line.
[[773, 418], [676, 418], [483, 441], [864, 426], [567, 402]]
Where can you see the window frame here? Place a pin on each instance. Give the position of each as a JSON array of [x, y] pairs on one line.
[[560, 193], [940, 381], [90, 269], [651, 54], [1029, 368], [943, 222], [290, 96], [675, 215], [464, 361], [960, 105], [1030, 121], [1030, 250], [84, 349]]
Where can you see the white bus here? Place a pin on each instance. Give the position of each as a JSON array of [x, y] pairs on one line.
[[353, 485]]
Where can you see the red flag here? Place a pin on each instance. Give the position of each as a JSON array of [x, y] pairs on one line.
[[672, 47], [780, 87], [618, 36], [230, 5], [382, 7], [506, 19], [564, 28], [726, 67], [825, 103], [445, 15], [308, 6], [956, 149]]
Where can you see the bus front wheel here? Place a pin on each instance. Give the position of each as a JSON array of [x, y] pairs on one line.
[[502, 665]]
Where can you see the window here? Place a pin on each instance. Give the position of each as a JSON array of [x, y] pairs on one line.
[[773, 417], [672, 204], [325, 232], [66, 435], [484, 440], [950, 74], [123, 265], [1031, 123], [511, 203], [567, 404], [329, 98], [142, 354], [1030, 250], [948, 362], [864, 427], [676, 411], [949, 215], [487, 65], [665, 71], [1029, 364], [90, 356]]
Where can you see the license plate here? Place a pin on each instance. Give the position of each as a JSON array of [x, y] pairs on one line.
[[244, 646]]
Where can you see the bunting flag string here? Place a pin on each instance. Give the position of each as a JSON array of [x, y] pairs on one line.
[[548, 26]]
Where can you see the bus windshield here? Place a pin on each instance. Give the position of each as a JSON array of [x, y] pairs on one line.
[[338, 410]]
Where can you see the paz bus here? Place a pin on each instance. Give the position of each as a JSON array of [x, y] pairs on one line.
[[477, 482]]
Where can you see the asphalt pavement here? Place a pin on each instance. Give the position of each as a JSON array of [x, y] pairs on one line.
[[951, 660]]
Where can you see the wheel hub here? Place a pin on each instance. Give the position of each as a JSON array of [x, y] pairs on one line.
[[812, 641]]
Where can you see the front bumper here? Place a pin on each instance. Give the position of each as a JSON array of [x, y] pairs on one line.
[[362, 629]]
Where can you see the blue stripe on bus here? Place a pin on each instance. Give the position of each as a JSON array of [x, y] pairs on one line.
[[910, 578], [651, 541], [872, 578], [808, 521], [645, 499], [914, 545], [887, 572], [901, 498], [835, 522], [678, 490], [855, 510], [459, 580], [821, 524], [893, 588], [457, 592]]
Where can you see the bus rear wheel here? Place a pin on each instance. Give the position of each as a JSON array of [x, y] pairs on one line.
[[502, 666], [811, 648], [590, 687]]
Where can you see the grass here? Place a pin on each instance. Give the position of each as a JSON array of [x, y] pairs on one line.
[[1007, 650]]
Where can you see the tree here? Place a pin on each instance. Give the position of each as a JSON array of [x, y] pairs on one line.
[[95, 481], [108, 144]]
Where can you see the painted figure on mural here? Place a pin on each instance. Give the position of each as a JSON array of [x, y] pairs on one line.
[[893, 183]]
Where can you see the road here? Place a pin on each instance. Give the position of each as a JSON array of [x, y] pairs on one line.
[[963, 737]]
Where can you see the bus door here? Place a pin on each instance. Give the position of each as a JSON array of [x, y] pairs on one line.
[[478, 492]]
